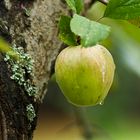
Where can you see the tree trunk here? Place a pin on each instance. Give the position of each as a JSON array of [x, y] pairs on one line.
[[32, 25]]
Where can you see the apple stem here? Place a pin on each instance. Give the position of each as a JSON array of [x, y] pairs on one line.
[[83, 121]]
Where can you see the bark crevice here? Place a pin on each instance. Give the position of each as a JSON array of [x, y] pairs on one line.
[[3, 125]]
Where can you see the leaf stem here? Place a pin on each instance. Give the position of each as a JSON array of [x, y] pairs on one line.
[[99, 18]]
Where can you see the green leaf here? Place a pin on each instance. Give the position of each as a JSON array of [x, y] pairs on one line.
[[91, 32], [129, 51], [65, 33], [76, 5], [123, 9], [133, 53]]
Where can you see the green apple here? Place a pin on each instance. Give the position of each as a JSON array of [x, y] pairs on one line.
[[85, 75]]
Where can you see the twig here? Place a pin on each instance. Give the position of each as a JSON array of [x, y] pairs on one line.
[[87, 5], [104, 1], [83, 120]]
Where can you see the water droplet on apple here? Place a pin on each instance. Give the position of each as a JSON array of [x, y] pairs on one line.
[[101, 103]]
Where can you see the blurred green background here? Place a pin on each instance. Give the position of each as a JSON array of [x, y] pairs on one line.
[[119, 117]]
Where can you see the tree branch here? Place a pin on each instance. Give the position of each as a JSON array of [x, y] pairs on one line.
[[31, 25]]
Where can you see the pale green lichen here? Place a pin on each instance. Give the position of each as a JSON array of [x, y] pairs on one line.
[[8, 4], [30, 112], [22, 69]]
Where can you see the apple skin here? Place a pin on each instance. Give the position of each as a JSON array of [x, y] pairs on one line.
[[85, 75]]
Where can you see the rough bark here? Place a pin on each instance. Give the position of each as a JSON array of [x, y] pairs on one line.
[[31, 24]]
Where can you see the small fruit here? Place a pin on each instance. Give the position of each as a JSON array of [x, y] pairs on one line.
[[85, 75]]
